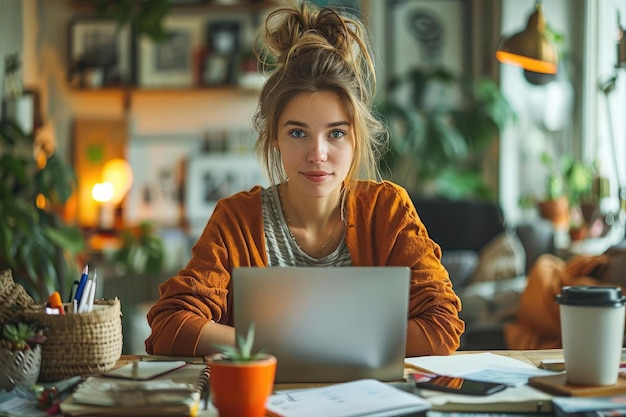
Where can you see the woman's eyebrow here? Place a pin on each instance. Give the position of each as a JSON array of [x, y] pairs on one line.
[[294, 123], [340, 123], [301, 124]]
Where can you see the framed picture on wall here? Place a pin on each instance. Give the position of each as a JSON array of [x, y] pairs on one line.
[[174, 61], [427, 34], [99, 53], [214, 176], [24, 110], [223, 40]]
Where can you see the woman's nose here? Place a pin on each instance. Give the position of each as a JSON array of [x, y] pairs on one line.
[[318, 151]]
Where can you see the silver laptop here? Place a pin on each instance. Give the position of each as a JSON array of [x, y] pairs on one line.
[[326, 324]]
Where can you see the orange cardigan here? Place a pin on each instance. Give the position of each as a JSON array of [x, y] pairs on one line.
[[383, 228]]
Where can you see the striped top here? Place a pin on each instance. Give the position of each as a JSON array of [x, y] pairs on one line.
[[282, 249]]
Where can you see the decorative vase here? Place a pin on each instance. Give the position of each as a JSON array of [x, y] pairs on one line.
[[241, 389], [21, 365]]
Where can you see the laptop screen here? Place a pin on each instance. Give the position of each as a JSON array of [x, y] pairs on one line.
[[326, 324]]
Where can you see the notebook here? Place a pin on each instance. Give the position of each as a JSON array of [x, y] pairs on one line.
[[326, 324], [176, 393], [143, 371]]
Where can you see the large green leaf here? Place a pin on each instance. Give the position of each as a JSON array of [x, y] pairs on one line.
[[57, 180], [146, 17], [433, 138], [36, 244]]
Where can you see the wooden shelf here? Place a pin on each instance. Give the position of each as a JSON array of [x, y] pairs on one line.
[[240, 6], [164, 90]]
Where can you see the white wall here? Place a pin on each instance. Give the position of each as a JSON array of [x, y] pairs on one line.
[[550, 116], [609, 115]]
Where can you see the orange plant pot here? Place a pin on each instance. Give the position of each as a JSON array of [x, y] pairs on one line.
[[241, 389], [556, 211]]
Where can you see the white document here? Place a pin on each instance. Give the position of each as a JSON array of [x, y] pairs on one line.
[[457, 365], [486, 367], [519, 399], [512, 376], [364, 397]]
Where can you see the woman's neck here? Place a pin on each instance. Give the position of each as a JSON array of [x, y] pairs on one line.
[[311, 213], [315, 224]]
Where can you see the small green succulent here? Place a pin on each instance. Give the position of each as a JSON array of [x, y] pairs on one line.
[[21, 336], [242, 351]]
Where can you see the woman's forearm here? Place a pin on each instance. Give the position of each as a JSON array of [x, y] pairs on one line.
[[214, 333]]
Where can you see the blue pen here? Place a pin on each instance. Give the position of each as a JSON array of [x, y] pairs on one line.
[[81, 284]]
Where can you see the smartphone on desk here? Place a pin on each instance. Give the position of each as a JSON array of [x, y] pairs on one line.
[[455, 384]]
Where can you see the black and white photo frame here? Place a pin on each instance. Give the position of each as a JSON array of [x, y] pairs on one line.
[[427, 34], [223, 49], [172, 62], [211, 177], [99, 53]]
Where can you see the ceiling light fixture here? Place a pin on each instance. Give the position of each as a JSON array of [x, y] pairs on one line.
[[531, 49]]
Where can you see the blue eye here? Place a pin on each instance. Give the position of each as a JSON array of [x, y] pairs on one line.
[[337, 134], [297, 133]]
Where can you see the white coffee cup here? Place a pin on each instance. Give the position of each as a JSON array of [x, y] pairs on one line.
[[592, 333]]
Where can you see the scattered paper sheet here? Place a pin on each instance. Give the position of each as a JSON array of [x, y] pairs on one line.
[[456, 365], [362, 397], [512, 376]]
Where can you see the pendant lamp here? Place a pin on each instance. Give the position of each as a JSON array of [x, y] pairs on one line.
[[531, 49]]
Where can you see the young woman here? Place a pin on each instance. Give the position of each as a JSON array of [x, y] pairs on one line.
[[318, 142]]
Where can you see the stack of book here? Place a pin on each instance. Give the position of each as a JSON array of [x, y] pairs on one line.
[[141, 389]]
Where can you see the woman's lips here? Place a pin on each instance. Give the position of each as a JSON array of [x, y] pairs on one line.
[[316, 176]]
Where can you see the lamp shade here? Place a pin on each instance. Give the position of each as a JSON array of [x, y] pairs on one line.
[[530, 49], [119, 174]]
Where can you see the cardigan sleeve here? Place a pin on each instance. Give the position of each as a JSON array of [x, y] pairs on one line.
[[391, 233], [201, 291]]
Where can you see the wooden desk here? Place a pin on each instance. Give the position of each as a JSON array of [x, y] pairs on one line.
[[532, 357]]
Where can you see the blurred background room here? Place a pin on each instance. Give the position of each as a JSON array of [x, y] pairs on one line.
[[150, 103]]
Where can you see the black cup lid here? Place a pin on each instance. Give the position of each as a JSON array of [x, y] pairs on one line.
[[592, 296]]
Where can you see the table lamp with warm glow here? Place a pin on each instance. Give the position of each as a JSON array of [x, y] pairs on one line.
[[117, 178]]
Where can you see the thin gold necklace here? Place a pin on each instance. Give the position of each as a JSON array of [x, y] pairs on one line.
[[288, 220]]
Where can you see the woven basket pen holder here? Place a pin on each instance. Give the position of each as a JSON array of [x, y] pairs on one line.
[[79, 343]]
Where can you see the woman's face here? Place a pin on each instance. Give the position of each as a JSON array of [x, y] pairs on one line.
[[316, 143]]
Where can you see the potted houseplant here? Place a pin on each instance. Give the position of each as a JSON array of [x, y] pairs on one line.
[[441, 124], [569, 185], [555, 204], [241, 380], [36, 242], [141, 250], [20, 351]]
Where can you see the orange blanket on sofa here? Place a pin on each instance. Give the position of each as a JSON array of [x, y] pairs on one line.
[[537, 324]]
